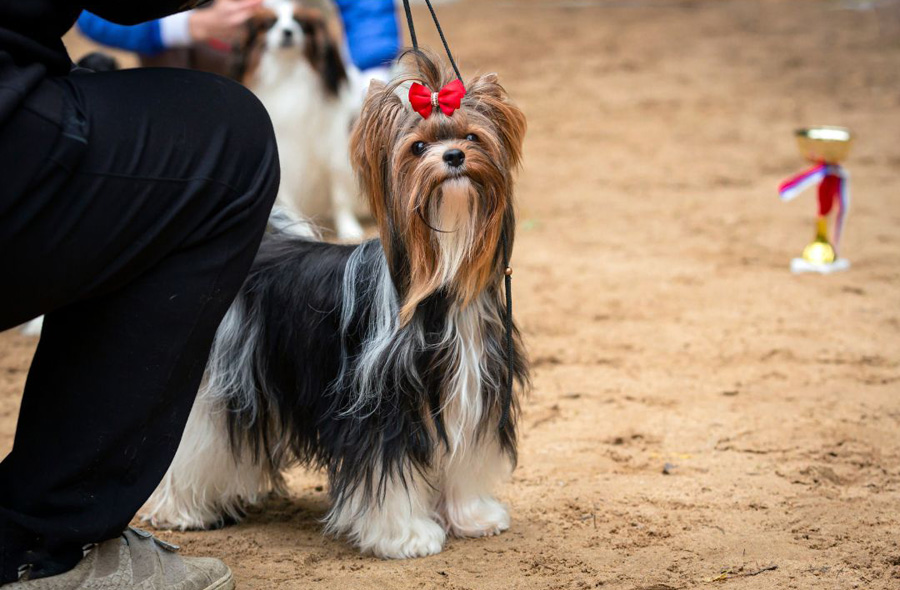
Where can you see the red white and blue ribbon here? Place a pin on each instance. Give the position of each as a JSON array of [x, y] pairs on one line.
[[834, 186], [795, 185]]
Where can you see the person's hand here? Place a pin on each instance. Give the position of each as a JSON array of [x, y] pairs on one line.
[[222, 20]]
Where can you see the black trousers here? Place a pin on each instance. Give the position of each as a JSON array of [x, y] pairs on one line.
[[131, 206]]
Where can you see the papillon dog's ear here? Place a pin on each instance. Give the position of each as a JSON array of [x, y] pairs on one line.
[[321, 49], [485, 95], [372, 144], [254, 35], [259, 24], [332, 66]]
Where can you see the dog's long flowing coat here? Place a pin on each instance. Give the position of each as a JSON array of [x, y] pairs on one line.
[[384, 363]]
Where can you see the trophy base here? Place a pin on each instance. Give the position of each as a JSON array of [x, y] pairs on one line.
[[819, 252], [800, 265]]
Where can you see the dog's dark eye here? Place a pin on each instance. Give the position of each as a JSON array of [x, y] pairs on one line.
[[471, 137], [418, 148]]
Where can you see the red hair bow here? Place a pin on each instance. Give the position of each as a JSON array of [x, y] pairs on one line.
[[423, 100]]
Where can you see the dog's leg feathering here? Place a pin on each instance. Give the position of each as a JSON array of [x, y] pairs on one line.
[[467, 505], [397, 523], [206, 484], [210, 481]]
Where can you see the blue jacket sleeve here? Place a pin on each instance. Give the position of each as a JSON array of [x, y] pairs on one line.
[[372, 32], [142, 38]]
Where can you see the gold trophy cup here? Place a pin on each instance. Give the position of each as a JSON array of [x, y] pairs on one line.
[[831, 146], [824, 144]]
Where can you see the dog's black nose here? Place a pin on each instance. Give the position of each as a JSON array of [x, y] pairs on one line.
[[455, 157], [288, 33]]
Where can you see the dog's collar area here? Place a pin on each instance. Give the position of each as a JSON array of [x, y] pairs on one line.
[[508, 271]]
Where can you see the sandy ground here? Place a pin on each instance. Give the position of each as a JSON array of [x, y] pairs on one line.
[[664, 327]]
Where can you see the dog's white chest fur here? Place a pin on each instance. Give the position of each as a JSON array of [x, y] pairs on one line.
[[312, 128]]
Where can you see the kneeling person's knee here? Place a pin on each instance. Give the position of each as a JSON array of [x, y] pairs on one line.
[[251, 143]]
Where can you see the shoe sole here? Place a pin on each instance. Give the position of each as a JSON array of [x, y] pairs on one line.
[[226, 582]]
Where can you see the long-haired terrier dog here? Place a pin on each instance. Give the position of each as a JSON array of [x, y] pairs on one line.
[[384, 363]]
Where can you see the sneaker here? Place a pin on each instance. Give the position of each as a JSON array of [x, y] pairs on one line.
[[136, 560]]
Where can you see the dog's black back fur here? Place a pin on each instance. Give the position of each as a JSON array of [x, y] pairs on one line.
[[298, 352], [303, 406]]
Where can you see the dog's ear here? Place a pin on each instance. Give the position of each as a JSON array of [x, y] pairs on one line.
[[331, 66], [491, 83], [321, 48], [371, 146], [485, 95], [263, 19], [245, 61]]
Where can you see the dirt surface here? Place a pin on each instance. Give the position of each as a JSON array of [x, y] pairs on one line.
[[697, 409]]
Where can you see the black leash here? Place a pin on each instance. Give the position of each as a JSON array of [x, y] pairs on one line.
[[507, 270], [409, 22], [510, 352], [437, 25]]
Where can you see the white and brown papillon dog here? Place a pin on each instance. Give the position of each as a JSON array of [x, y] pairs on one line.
[[294, 66], [383, 363]]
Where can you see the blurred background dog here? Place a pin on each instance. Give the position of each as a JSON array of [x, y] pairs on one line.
[[294, 66], [309, 61]]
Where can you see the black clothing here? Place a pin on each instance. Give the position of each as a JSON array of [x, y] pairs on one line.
[[31, 33], [131, 206]]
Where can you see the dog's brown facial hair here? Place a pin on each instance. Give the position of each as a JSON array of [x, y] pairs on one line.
[[441, 225]]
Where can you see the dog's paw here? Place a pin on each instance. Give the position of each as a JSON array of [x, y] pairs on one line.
[[477, 517], [169, 518], [188, 524], [165, 524], [418, 538]]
